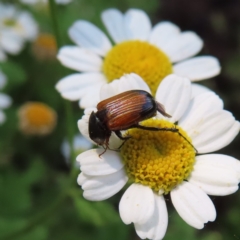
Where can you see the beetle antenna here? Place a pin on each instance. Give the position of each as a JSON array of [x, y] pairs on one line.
[[187, 141], [174, 129], [105, 149]]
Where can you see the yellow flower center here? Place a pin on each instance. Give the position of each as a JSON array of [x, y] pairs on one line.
[[47, 41], [9, 22], [37, 118], [138, 57], [14, 25], [45, 47], [158, 159]]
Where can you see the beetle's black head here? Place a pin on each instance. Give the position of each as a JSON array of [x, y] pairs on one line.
[[97, 131]]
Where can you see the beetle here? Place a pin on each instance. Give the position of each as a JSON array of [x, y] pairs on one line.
[[121, 112]]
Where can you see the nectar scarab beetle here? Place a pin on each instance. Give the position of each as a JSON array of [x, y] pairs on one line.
[[122, 112]]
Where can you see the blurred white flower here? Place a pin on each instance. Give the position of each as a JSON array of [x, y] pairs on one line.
[[80, 144], [16, 27], [150, 52], [5, 100], [32, 2], [159, 162]]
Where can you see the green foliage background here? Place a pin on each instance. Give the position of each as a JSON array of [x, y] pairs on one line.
[[39, 198]]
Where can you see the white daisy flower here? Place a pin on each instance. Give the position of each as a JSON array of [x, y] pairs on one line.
[[151, 52], [5, 100], [16, 27], [157, 163]]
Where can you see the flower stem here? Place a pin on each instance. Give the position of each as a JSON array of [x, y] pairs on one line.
[[53, 12], [67, 105]]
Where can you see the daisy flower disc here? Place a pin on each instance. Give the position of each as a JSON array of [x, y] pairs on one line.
[[45, 47], [151, 52], [36, 118], [159, 162]]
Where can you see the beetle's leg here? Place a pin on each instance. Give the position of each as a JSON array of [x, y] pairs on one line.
[[118, 149], [164, 129], [105, 146], [119, 134], [105, 149], [155, 128]]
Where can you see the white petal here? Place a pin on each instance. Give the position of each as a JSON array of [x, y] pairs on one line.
[[88, 111], [7, 10], [83, 127], [75, 86], [199, 89], [162, 33], [137, 24], [216, 174], [99, 188], [222, 139], [93, 165], [5, 101], [125, 83], [183, 46], [28, 25], [193, 205], [213, 130], [11, 42], [114, 141], [88, 36], [2, 117], [79, 59], [198, 68], [113, 21], [137, 204], [200, 106], [91, 98], [83, 123], [156, 227], [174, 93]]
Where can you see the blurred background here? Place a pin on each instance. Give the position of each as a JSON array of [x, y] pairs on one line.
[[39, 196]]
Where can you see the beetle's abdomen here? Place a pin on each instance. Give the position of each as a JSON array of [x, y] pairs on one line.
[[126, 109]]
